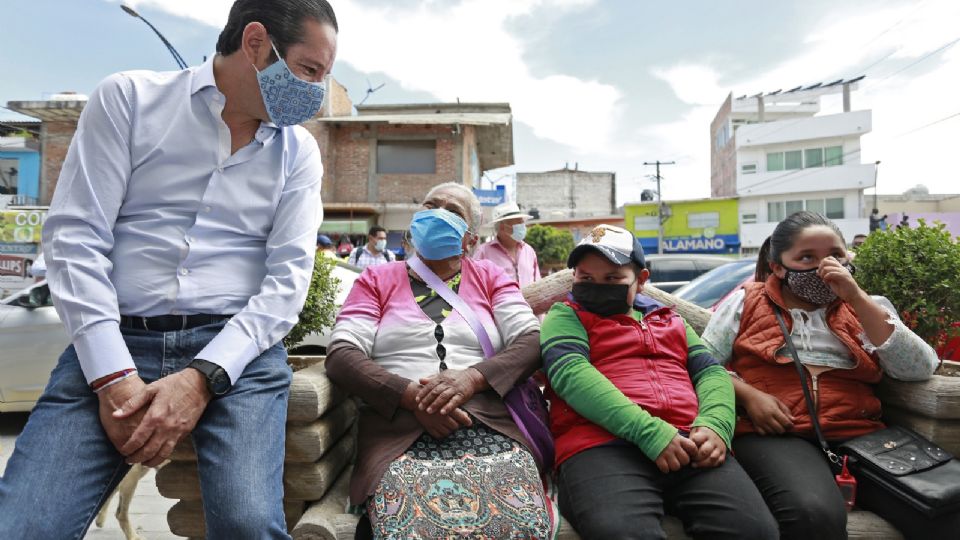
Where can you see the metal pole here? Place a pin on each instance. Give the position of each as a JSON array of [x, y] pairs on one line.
[[876, 170], [176, 55], [659, 203]]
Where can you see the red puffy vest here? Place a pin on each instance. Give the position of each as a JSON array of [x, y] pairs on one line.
[[646, 360]]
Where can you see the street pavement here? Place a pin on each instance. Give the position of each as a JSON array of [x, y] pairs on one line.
[[148, 511]]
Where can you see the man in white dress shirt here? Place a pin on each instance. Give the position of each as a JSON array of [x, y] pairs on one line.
[[179, 248]]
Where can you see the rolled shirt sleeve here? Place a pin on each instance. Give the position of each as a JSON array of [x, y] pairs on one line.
[[78, 233], [291, 251]]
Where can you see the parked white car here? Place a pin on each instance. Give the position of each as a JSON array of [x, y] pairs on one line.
[[32, 339]]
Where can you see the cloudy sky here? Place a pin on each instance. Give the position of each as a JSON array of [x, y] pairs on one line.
[[607, 84]]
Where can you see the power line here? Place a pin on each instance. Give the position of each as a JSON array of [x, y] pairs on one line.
[[925, 126], [942, 48]]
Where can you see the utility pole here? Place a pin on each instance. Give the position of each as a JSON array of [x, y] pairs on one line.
[[658, 163]]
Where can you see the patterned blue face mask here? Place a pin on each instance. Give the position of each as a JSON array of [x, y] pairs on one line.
[[289, 99], [437, 234]]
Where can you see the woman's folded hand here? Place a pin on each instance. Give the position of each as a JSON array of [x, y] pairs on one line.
[[439, 426], [449, 389]]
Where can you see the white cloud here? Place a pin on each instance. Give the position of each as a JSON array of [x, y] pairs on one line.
[[843, 46], [461, 50]]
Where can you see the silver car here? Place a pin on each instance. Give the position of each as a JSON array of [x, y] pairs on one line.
[[32, 338]]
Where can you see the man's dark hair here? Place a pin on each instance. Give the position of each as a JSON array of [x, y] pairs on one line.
[[283, 20], [859, 236], [375, 230]]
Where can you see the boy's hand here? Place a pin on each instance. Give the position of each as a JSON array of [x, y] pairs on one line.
[[677, 454], [711, 450], [768, 414]]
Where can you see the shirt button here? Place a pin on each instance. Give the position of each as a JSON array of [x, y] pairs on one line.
[[220, 168], [189, 239], [184, 271], [207, 209]]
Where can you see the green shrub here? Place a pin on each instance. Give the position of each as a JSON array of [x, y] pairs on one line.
[[918, 270], [320, 310], [552, 245]]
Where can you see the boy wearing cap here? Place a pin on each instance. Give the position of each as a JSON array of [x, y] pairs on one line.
[[507, 249], [642, 414]]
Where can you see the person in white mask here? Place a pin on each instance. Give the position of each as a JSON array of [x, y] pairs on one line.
[[507, 249], [374, 252]]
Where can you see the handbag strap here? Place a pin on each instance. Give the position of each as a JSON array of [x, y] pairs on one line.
[[456, 302], [834, 458]]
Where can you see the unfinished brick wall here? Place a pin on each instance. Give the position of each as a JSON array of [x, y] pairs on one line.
[[55, 139]]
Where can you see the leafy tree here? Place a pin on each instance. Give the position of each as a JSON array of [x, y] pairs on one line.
[[320, 310], [918, 270], [552, 245]]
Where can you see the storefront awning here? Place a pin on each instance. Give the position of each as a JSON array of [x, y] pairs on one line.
[[346, 226]]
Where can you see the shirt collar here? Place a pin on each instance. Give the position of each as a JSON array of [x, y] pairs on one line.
[[203, 76]]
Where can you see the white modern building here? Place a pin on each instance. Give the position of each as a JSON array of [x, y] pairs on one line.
[[780, 153]]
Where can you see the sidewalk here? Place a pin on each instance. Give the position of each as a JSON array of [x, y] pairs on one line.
[[148, 512]]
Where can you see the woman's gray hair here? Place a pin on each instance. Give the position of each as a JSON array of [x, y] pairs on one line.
[[468, 196]]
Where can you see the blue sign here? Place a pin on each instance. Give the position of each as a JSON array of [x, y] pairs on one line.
[[491, 197], [720, 243]]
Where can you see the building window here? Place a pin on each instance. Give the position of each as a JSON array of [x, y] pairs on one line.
[[723, 136], [815, 205], [407, 157], [645, 223], [775, 212], [792, 160], [833, 155], [702, 220], [748, 218], [813, 157], [775, 161], [834, 208], [748, 168], [793, 207]]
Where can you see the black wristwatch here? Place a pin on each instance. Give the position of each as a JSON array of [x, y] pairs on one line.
[[218, 382]]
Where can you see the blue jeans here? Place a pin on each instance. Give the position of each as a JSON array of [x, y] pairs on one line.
[[64, 467]]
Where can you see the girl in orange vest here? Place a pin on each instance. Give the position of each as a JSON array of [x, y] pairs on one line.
[[846, 341]]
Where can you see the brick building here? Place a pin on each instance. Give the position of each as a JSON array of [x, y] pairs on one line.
[[378, 163], [568, 193]]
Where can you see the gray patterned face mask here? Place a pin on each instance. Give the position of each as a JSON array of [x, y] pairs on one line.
[[808, 286]]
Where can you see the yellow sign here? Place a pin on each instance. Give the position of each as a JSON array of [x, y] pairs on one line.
[[22, 226]]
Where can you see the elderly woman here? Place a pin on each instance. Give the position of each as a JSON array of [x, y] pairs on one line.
[[439, 454]]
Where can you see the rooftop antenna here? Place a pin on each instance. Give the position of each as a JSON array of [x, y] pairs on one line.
[[370, 91]]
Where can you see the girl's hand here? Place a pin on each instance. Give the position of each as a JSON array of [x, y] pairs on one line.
[[839, 279], [768, 414]]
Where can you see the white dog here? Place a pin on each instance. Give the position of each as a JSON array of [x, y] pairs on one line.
[[126, 489]]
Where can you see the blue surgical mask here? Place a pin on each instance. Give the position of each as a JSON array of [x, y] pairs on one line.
[[519, 232], [289, 99], [437, 234]]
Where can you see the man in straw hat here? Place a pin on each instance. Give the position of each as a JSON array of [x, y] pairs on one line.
[[507, 249]]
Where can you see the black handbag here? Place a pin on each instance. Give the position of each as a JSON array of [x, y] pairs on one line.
[[896, 459]]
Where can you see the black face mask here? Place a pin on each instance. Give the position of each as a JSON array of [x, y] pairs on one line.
[[603, 299]]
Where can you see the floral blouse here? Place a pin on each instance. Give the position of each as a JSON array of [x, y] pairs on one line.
[[903, 356]]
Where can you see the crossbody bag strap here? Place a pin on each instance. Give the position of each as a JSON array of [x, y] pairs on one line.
[[834, 459], [456, 302]]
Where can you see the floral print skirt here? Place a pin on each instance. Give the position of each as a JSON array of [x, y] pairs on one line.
[[476, 483]]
